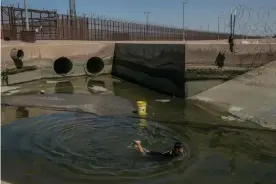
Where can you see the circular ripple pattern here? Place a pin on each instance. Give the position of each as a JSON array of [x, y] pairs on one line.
[[92, 145]]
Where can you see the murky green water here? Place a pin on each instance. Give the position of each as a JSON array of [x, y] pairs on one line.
[[48, 146]]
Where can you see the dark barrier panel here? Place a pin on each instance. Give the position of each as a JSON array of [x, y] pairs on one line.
[[160, 67]]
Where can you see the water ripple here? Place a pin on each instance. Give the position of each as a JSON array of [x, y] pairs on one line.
[[91, 145]]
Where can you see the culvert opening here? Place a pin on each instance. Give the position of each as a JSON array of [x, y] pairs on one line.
[[63, 65], [94, 65], [17, 54]]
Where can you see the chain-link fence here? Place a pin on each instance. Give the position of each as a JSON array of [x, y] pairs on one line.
[[49, 25]]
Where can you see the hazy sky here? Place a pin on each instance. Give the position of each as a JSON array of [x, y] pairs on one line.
[[254, 16]]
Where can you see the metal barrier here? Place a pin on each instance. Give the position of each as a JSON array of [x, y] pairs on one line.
[[49, 25]]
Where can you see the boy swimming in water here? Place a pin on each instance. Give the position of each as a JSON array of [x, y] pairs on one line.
[[177, 151]]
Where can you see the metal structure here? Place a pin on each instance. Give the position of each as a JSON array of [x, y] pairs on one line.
[[72, 6], [52, 26], [26, 15], [42, 21], [147, 22], [218, 34], [218, 26]]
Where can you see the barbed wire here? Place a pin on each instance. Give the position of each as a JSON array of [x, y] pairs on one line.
[[251, 21]]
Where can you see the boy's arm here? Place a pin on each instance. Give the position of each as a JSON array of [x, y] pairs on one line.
[[139, 146]]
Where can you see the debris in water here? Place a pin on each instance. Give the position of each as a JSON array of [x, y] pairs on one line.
[[97, 89], [231, 118], [54, 82], [235, 109], [163, 100]]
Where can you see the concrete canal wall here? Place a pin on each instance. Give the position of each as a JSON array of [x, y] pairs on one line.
[[138, 61], [56, 59], [157, 66]]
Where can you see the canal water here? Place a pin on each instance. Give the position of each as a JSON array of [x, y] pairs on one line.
[[42, 145]]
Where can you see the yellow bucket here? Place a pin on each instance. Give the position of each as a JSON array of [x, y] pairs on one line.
[[142, 108]]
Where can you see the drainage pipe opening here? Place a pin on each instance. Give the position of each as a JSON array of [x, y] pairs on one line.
[[63, 66], [94, 65], [17, 54]]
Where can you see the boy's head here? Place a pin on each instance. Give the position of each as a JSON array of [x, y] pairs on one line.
[[178, 147]]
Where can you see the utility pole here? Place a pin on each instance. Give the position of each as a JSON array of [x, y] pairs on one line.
[[218, 26], [219, 23], [26, 15], [183, 18], [147, 17], [208, 31], [72, 8], [147, 22]]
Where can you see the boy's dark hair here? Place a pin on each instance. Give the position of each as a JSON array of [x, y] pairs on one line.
[[178, 145]]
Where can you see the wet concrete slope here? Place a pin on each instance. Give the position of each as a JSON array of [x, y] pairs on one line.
[[160, 67], [250, 96]]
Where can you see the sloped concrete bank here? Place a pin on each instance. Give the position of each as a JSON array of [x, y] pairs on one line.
[[250, 96]]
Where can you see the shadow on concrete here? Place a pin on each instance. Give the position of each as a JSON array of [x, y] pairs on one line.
[[18, 63], [220, 60]]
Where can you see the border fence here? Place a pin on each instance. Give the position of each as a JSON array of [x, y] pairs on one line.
[[49, 25]]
